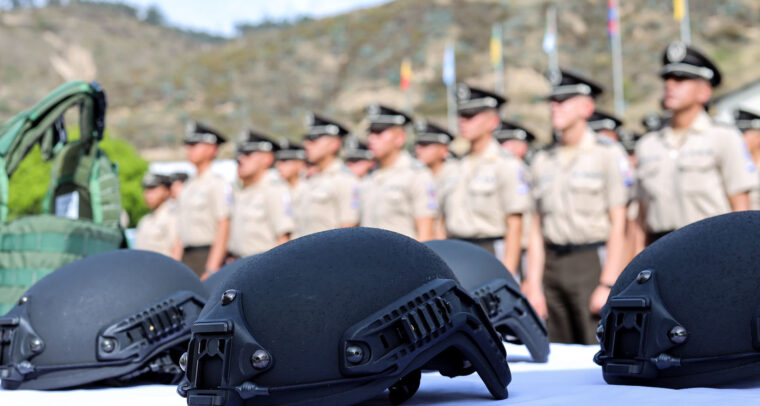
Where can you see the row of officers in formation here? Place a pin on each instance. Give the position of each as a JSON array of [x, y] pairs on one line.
[[565, 218]]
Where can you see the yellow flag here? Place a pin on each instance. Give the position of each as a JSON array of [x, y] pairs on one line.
[[496, 58], [678, 9]]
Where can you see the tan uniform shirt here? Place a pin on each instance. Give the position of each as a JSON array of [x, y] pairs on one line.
[[205, 199], [487, 188], [157, 231], [260, 214], [754, 193], [687, 178], [328, 200], [397, 195], [575, 187], [445, 180]]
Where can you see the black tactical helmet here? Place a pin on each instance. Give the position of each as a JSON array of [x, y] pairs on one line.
[[686, 311], [117, 317], [336, 318], [489, 281]]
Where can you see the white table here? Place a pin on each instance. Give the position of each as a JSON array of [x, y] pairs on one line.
[[569, 378]]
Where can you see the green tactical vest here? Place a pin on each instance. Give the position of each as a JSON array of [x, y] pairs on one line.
[[81, 209]]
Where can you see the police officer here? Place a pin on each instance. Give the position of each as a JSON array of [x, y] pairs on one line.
[[515, 139], [359, 158], [578, 230], [330, 197], [692, 168], [178, 181], [490, 190], [290, 162], [400, 194], [157, 230], [204, 204], [261, 211], [605, 124], [748, 122], [431, 147]]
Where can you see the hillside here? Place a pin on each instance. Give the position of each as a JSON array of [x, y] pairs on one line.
[[158, 78]]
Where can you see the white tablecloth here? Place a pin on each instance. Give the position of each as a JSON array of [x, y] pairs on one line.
[[569, 378]]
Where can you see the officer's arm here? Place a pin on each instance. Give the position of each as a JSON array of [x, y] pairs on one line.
[[739, 201], [424, 226], [512, 242], [532, 285], [283, 239], [177, 249], [218, 248], [614, 260], [439, 229]]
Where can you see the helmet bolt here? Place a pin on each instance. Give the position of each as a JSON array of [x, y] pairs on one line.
[[678, 334], [354, 354], [35, 345], [228, 296], [183, 362], [23, 300], [600, 332], [261, 359], [644, 276], [107, 345]]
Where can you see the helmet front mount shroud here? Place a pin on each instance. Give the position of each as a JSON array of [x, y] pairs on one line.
[[637, 331], [437, 326], [134, 339]]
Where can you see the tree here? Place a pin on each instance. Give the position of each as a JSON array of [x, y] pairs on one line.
[[155, 16]]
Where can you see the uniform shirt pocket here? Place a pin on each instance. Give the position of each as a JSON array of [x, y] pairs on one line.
[[483, 193], [697, 173], [586, 193]]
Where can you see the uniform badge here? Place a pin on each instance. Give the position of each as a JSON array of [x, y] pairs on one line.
[[676, 52], [463, 92]]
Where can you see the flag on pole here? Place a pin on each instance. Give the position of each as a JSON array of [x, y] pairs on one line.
[[406, 74], [679, 10], [612, 18], [449, 66], [496, 46], [550, 33]]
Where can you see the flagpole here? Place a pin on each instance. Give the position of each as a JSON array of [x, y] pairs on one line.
[[550, 40], [449, 79], [613, 28], [686, 24], [497, 57]]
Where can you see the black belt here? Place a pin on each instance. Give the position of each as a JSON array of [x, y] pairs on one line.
[[570, 248], [197, 248], [479, 240]]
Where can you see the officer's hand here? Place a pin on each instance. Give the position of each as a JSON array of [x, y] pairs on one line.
[[205, 275], [598, 299], [535, 296]]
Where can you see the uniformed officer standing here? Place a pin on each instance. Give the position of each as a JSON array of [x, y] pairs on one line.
[[400, 195], [515, 139], [748, 122], [431, 147], [204, 204], [578, 230], [605, 124], [290, 162], [261, 211], [491, 189], [157, 230], [359, 158], [692, 168], [330, 197]]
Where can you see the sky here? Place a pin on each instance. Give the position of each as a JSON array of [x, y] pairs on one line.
[[220, 16]]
